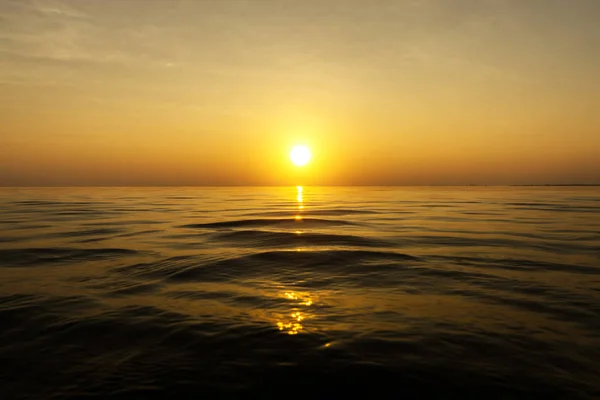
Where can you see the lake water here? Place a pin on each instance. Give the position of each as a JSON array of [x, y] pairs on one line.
[[472, 292]]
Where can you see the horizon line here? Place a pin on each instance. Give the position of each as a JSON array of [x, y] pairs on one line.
[[293, 185]]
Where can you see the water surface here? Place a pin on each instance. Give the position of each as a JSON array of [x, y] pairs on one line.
[[479, 292]]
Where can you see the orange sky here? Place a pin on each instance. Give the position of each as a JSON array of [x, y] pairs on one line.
[[411, 92]]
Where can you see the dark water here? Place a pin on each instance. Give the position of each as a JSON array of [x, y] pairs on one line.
[[324, 293]]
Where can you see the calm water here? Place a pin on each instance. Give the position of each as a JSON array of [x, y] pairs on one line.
[[135, 292]]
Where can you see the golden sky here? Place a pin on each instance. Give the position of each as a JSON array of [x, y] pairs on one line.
[[202, 92]]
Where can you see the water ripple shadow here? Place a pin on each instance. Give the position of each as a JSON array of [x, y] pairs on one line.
[[256, 238], [293, 222], [34, 257]]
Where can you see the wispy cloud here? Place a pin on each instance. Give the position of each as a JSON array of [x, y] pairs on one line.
[[57, 9], [49, 30], [41, 34]]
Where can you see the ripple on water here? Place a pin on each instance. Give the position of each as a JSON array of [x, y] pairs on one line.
[[371, 292], [34, 257]]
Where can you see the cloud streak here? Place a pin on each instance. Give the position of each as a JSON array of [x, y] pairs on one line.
[[43, 36]]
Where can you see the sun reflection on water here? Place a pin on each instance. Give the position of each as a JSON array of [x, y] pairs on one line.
[[292, 323], [299, 198]]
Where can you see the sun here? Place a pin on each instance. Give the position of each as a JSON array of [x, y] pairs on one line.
[[300, 155]]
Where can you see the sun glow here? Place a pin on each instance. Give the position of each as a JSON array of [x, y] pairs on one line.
[[300, 155]]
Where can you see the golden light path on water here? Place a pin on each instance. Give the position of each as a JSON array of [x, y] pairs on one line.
[[292, 323], [300, 199]]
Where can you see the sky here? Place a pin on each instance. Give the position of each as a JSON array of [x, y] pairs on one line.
[[203, 92]]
